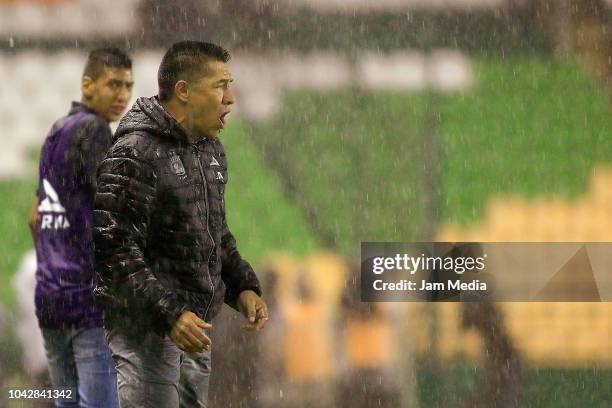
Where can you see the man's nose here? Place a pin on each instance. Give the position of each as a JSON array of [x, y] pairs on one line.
[[228, 97], [125, 93]]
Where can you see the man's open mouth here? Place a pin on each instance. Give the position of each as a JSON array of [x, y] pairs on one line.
[[222, 120]]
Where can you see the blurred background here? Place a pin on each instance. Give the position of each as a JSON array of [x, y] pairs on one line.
[[357, 120]]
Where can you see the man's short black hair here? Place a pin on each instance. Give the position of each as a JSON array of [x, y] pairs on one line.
[[186, 60], [102, 58]]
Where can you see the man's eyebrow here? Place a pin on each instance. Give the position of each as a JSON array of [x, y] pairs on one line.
[[120, 81], [225, 80]]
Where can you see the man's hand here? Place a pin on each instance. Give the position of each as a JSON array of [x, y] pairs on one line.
[[254, 309], [188, 333]]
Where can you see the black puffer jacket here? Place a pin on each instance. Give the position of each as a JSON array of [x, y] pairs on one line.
[[162, 244]]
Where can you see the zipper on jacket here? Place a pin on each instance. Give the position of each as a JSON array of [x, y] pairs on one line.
[[212, 285]]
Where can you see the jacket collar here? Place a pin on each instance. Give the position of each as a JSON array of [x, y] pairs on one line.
[[149, 115], [171, 128], [168, 126], [76, 107]]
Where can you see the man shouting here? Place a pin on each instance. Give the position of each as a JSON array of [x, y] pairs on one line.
[[165, 258]]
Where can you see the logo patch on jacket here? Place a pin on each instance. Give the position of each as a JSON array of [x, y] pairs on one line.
[[214, 162], [53, 214], [177, 165]]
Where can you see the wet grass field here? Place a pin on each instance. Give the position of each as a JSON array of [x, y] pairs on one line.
[[542, 388]]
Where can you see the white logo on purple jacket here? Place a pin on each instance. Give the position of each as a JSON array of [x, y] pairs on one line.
[[51, 204]]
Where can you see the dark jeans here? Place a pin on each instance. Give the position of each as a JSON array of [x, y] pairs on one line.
[[152, 372], [81, 359]]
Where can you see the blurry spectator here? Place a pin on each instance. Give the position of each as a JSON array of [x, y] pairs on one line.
[[368, 379], [307, 351], [503, 367], [502, 363]]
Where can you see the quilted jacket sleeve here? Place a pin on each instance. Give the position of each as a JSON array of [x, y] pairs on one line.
[[123, 202]]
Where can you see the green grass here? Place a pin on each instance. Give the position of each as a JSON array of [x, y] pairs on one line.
[[18, 196], [541, 388], [567, 389], [259, 215]]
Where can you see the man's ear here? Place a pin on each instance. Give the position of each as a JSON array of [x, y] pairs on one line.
[[87, 86], [181, 90]]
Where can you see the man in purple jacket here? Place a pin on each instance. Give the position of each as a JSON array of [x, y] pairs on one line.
[[61, 222]]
